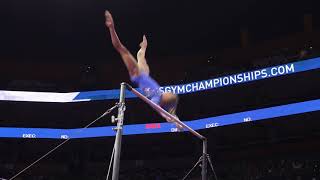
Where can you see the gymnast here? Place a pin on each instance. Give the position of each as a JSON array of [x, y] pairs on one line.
[[139, 72]]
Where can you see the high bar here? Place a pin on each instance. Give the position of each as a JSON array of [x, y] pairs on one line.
[[161, 110]]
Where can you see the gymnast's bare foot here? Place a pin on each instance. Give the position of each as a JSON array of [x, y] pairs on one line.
[[109, 19], [144, 42]]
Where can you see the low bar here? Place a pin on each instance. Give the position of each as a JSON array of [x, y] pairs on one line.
[[160, 110]]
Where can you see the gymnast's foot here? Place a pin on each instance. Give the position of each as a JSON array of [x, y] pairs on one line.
[[144, 42], [109, 19]]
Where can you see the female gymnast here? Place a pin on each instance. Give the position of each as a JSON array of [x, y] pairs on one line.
[[139, 72]]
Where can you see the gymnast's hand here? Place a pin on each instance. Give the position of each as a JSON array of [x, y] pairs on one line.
[[166, 117], [180, 128], [109, 19]]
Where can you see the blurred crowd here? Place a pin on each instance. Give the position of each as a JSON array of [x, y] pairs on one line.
[[275, 169]]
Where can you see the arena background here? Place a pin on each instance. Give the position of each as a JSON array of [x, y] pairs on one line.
[[63, 46]]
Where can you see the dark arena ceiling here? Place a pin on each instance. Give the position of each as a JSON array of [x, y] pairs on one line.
[[73, 30], [44, 41]]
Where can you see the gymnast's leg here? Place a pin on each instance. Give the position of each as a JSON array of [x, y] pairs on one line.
[[125, 54], [141, 56]]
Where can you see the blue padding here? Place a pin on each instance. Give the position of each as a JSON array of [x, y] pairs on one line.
[[253, 115]]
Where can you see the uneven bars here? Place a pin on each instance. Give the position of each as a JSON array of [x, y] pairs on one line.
[[161, 110]]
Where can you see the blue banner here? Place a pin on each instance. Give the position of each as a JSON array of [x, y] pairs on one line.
[[211, 122], [193, 87]]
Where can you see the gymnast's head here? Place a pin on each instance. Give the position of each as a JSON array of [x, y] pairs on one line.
[[169, 102]]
